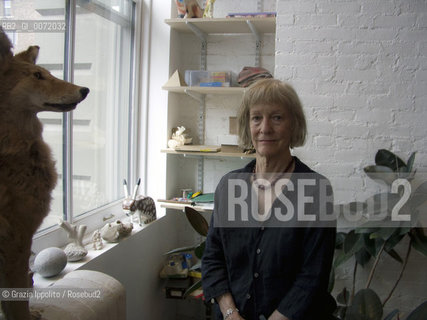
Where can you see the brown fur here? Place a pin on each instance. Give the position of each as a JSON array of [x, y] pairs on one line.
[[27, 170]]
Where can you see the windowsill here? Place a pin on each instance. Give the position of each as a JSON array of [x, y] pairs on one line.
[[41, 282]]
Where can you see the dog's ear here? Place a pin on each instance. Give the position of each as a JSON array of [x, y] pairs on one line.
[[5, 47], [30, 55]]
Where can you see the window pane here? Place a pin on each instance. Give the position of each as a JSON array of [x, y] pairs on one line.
[[51, 56], [100, 126]]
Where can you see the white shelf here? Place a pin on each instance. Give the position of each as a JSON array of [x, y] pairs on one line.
[[181, 206], [226, 151], [206, 90], [224, 25]]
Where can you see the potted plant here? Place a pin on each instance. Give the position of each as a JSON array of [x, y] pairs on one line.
[[373, 239]]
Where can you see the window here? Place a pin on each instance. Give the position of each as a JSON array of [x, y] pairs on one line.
[[91, 44]]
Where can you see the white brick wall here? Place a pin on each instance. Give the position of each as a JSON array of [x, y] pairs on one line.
[[360, 68]]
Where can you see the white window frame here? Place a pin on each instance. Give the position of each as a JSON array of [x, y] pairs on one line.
[[96, 218]]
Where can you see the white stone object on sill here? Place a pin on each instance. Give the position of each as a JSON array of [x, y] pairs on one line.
[[75, 250], [50, 262], [113, 232]]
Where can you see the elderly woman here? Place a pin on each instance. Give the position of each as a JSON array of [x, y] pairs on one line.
[[260, 263]]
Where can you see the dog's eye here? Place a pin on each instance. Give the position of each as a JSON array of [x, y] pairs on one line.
[[38, 75]]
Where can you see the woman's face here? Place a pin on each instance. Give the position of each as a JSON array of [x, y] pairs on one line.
[[270, 128]]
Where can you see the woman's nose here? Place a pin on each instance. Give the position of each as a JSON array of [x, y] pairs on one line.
[[265, 126]]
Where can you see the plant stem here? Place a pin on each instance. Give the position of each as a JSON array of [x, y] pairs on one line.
[[377, 259], [401, 272], [353, 289]]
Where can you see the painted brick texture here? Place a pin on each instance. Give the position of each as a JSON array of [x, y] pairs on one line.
[[360, 68]]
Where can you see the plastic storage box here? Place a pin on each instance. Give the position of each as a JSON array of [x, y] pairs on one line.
[[202, 78]]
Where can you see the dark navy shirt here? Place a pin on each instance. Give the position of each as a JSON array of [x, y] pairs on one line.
[[268, 267]]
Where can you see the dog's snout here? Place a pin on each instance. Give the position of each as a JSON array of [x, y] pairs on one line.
[[84, 92]]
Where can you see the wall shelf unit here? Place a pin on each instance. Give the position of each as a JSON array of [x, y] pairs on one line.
[[206, 90], [224, 25], [226, 151], [207, 110]]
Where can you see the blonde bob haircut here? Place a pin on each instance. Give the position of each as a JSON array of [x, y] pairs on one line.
[[277, 93]]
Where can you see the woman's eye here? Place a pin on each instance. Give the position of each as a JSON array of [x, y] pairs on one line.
[[38, 75]]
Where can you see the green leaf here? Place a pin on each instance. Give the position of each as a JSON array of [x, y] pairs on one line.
[[420, 312], [388, 159], [353, 242], [365, 229], [373, 245], [363, 256], [394, 255], [193, 287], [381, 173], [182, 249], [197, 221], [419, 240], [341, 258], [383, 233], [410, 163], [380, 205], [339, 240], [394, 239], [366, 306], [419, 196], [199, 250], [331, 282]]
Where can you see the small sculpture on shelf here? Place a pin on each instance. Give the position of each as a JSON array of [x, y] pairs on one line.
[[113, 232], [97, 240], [179, 138], [139, 206], [75, 250]]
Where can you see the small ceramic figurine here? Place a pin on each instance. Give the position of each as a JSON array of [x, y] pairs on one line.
[[97, 240], [179, 138], [143, 207], [75, 250], [113, 232]]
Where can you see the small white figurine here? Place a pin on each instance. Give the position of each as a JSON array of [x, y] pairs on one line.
[[75, 250], [179, 138], [97, 240], [113, 232]]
